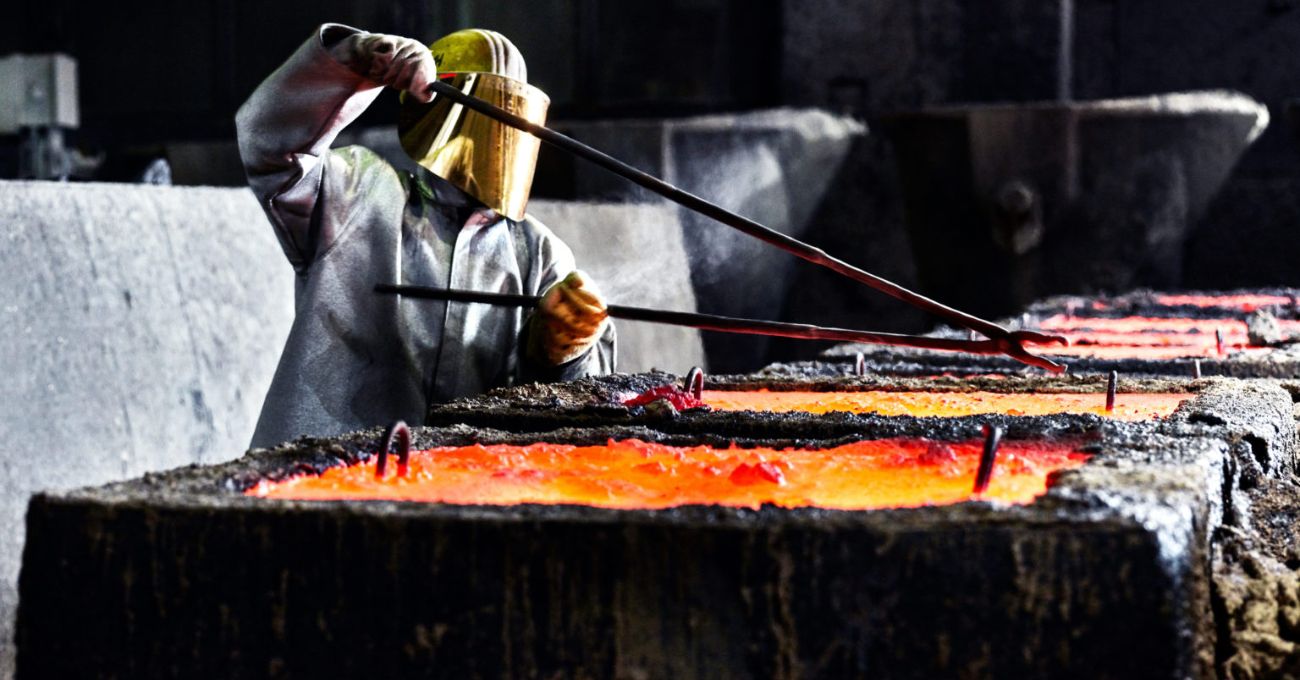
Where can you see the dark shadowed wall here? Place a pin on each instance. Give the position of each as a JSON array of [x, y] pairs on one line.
[[155, 70], [880, 56]]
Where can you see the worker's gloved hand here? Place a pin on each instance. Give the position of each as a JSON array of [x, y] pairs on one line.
[[400, 63], [569, 320]]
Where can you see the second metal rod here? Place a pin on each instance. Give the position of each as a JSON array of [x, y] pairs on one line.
[[713, 322]]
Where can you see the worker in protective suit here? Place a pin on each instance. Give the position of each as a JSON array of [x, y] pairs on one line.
[[348, 220]]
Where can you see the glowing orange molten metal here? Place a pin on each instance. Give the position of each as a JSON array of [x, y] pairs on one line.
[[1246, 302], [1149, 338], [1127, 406], [632, 474]]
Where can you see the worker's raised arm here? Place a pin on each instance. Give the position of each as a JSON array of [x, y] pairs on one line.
[[288, 124]]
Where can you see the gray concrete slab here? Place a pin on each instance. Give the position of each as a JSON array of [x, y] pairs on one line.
[[1006, 195], [142, 326]]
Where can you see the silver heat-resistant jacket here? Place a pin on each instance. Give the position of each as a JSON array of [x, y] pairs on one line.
[[347, 220]]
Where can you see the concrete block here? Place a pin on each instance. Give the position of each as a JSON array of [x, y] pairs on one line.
[[860, 220], [999, 197], [1248, 235], [142, 323]]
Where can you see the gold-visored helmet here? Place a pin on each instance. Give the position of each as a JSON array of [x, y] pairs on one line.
[[490, 161]]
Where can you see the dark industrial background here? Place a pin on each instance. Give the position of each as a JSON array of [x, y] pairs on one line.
[[164, 78]]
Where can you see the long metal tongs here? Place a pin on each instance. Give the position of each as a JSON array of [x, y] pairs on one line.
[[707, 322], [1005, 341]]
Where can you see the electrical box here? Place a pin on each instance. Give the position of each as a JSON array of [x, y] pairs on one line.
[[40, 91]]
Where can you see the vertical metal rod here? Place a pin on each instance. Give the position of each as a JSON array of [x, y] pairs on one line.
[[992, 437], [859, 364], [695, 382], [1196, 369], [1065, 54], [1218, 341], [1112, 385], [402, 433]]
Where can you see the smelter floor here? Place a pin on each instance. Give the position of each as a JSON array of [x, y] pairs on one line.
[[1107, 575]]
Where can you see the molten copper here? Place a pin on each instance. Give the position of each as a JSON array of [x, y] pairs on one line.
[[1141, 324], [633, 474], [1245, 302], [1135, 406], [1152, 338], [680, 399]]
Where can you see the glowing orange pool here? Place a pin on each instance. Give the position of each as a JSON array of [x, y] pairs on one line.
[[1149, 352], [1243, 302], [633, 474], [1149, 338], [1140, 406], [1246, 302], [1140, 324]]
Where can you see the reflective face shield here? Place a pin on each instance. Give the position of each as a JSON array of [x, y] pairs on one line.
[[488, 160]]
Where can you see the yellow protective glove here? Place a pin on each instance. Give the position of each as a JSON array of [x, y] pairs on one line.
[[570, 319]]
